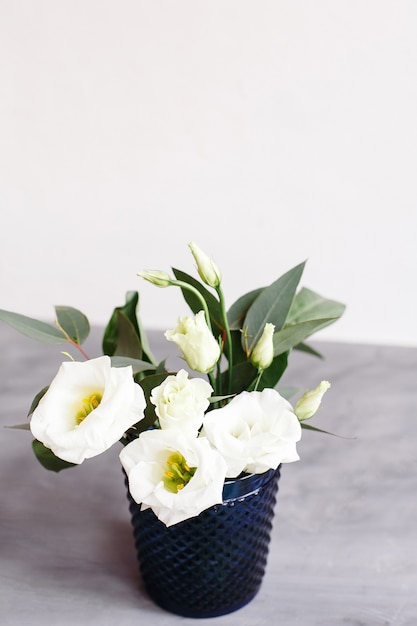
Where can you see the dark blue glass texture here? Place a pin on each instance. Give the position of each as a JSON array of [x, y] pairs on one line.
[[212, 564]]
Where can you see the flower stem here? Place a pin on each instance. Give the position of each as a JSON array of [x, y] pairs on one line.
[[228, 342], [72, 342], [183, 285]]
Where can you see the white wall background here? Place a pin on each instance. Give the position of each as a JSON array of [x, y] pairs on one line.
[[268, 132]]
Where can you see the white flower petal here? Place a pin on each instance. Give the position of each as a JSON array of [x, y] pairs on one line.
[[180, 402], [144, 461], [255, 432], [54, 421]]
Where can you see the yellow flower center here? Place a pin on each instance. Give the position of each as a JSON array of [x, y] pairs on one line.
[[88, 405], [178, 473]]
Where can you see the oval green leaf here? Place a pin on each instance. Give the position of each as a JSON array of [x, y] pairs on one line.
[[34, 329], [74, 323]]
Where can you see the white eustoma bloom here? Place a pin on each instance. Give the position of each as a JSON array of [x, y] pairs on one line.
[[176, 475], [310, 402], [180, 402], [196, 342], [255, 432], [263, 353], [207, 269], [87, 408]]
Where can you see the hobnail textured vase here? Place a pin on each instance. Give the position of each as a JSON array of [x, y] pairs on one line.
[[212, 564]]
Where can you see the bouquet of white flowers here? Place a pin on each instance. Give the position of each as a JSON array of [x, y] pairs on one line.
[[182, 435]]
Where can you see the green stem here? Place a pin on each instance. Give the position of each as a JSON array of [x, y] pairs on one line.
[[183, 285], [213, 383], [258, 378], [229, 347], [72, 342]]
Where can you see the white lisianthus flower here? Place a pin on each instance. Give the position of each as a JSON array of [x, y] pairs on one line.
[[176, 475], [263, 353], [87, 408], [310, 402], [180, 402], [255, 432], [207, 269], [196, 342]]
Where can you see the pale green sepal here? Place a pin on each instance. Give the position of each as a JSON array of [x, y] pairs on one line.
[[74, 323], [34, 329]]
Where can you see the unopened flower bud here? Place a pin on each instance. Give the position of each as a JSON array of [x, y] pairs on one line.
[[156, 277], [310, 402], [196, 342], [263, 353], [207, 269]]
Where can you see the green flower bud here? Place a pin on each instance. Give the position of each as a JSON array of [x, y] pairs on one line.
[[310, 402], [263, 353], [156, 277], [207, 269]]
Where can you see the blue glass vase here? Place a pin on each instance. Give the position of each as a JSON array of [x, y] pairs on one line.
[[212, 564]]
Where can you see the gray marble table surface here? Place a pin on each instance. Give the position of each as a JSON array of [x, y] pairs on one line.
[[344, 544]]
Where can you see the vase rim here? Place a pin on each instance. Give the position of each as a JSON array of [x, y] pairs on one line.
[[246, 484]]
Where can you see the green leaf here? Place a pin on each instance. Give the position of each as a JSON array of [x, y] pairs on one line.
[[303, 347], [290, 336], [118, 332], [36, 399], [34, 329], [128, 340], [48, 459], [243, 375], [309, 305], [193, 301], [320, 430], [272, 305], [273, 373], [237, 312], [147, 384], [25, 426], [239, 354], [74, 323], [137, 364]]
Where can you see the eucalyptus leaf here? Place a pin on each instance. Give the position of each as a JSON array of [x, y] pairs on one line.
[[237, 312], [74, 323], [48, 459], [34, 329], [303, 347], [290, 336], [272, 305], [309, 305]]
